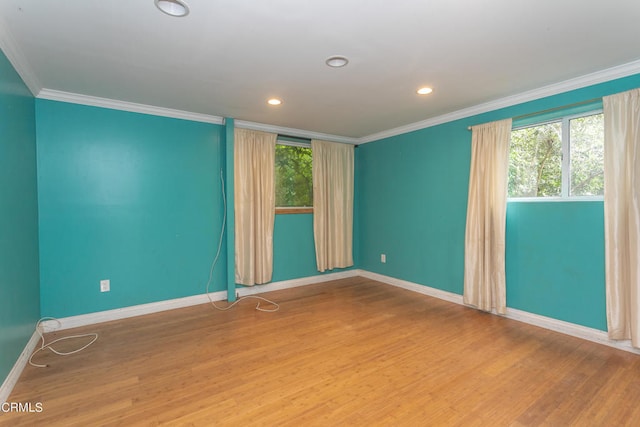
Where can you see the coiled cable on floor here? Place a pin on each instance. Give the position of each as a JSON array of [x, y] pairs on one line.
[[49, 347]]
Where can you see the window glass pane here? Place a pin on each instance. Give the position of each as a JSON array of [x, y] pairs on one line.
[[294, 184], [586, 136], [535, 161]]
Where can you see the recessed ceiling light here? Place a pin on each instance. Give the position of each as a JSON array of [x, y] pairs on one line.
[[274, 101], [424, 90], [337, 61], [176, 8]]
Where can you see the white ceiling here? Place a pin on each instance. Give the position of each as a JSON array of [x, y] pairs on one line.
[[227, 57]]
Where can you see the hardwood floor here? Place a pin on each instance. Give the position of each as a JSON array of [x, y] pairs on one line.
[[348, 352]]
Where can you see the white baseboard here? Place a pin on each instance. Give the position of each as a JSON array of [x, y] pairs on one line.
[[18, 367], [154, 307], [294, 283], [415, 287], [567, 328], [132, 311]]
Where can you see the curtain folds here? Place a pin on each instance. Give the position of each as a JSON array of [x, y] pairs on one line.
[[254, 193], [332, 204], [484, 257], [622, 214]]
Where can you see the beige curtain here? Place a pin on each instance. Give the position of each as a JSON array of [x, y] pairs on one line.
[[622, 214], [254, 205], [484, 249], [332, 204]]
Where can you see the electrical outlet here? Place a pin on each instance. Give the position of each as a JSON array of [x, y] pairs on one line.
[[383, 258], [105, 285]]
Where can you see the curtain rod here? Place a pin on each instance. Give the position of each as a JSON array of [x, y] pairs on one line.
[[551, 110], [294, 137], [307, 139]]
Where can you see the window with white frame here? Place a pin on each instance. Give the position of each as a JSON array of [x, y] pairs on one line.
[[558, 159]]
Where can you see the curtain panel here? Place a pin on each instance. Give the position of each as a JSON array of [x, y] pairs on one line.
[[332, 204], [622, 214], [254, 210], [484, 250]]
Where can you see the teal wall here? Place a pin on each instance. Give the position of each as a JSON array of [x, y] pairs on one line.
[[129, 197], [412, 192], [137, 199], [229, 200], [19, 287], [412, 199], [555, 260], [294, 253]]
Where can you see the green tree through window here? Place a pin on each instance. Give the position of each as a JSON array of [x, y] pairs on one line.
[[535, 164], [587, 155], [294, 184], [563, 158]]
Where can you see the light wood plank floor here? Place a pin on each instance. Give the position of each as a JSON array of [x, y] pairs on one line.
[[348, 352]]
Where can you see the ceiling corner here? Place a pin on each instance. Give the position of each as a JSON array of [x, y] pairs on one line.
[[19, 62]]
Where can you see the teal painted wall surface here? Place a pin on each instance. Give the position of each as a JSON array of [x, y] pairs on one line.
[[294, 253], [412, 195], [128, 197], [412, 201], [19, 276], [555, 260], [230, 266]]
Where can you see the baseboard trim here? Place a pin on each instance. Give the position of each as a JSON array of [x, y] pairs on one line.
[[567, 328], [18, 367], [415, 287], [583, 332], [155, 307], [294, 283], [126, 312]]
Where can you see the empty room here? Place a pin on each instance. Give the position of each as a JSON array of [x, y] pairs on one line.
[[319, 213]]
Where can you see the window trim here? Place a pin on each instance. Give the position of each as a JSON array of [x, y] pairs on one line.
[[294, 210], [566, 160], [287, 210]]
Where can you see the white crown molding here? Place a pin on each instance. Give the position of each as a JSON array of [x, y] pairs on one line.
[[94, 101], [602, 76], [18, 60], [18, 367], [21, 65], [295, 132]]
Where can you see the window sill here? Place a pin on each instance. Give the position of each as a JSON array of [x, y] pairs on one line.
[[556, 199], [293, 210]]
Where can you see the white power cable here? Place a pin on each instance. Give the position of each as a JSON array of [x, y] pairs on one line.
[[276, 307], [48, 346]]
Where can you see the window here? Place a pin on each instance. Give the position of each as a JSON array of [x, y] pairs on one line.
[[563, 158], [294, 184]]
